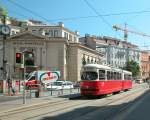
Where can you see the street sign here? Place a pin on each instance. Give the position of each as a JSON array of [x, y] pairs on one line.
[[4, 29]]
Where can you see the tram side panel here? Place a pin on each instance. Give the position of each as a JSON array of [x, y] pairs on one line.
[[110, 86], [127, 84], [96, 88], [89, 88]]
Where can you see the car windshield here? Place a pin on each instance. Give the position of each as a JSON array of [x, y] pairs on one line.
[[89, 76], [58, 83]]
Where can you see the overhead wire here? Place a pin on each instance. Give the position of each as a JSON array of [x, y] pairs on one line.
[[80, 17], [100, 16], [73, 18], [28, 10], [104, 15]]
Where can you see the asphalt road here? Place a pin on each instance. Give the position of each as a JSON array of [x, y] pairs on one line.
[[140, 110]]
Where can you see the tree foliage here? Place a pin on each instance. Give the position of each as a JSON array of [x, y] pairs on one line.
[[133, 67], [3, 11]]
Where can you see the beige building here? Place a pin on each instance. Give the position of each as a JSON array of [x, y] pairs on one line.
[[48, 54]]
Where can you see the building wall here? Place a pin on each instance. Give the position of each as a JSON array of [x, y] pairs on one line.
[[116, 52], [56, 54], [145, 69], [75, 59]]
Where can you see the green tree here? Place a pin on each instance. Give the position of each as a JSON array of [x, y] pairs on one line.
[[3, 11], [133, 67], [3, 14]]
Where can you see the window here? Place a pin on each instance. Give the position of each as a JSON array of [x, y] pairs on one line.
[[101, 74], [33, 30], [115, 75], [89, 76], [51, 33], [108, 75], [13, 32], [55, 33], [66, 35], [112, 75], [70, 37], [32, 78]]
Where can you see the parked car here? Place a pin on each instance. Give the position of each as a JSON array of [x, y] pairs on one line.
[[58, 85], [139, 81], [76, 84]]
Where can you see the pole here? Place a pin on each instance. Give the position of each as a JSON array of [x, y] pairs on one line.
[[24, 92], [4, 61]]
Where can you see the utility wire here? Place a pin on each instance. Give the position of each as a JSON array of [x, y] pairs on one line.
[[84, 17], [99, 15], [105, 15], [28, 10]]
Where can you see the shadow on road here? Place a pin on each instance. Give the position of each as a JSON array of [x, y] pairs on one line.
[[109, 112]]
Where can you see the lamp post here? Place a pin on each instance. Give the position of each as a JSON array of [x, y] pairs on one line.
[[24, 72], [5, 30]]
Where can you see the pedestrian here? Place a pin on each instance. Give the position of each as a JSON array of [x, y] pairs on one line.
[[13, 90]]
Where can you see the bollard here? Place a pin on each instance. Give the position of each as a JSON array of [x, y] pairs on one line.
[[51, 90], [37, 94], [30, 94]]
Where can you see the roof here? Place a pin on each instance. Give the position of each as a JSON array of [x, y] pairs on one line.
[[98, 66], [127, 72], [27, 33]]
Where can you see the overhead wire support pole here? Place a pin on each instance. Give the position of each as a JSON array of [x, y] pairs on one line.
[[4, 40], [24, 72]]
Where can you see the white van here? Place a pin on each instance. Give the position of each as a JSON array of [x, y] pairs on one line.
[[58, 85]]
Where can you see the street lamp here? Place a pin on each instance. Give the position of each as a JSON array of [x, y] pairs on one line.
[[5, 31], [24, 72]]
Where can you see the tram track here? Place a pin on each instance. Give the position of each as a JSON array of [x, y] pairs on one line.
[[62, 106], [90, 110], [111, 116]]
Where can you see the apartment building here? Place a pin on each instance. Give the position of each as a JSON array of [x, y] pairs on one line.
[[145, 65], [116, 52]]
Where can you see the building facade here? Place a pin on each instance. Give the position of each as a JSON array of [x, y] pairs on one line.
[[46, 53], [116, 52], [145, 65]]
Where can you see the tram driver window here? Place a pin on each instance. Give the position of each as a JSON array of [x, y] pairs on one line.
[[102, 74]]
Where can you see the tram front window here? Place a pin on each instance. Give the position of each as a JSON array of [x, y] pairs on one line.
[[89, 76]]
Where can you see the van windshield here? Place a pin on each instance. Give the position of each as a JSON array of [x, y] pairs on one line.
[[89, 76]]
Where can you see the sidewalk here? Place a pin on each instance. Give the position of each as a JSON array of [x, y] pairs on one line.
[[18, 103]]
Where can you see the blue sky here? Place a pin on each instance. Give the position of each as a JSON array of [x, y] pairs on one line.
[[54, 11]]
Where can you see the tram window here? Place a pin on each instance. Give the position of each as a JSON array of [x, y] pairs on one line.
[[112, 75], [115, 75], [108, 75], [101, 74], [89, 76], [120, 76], [124, 77], [130, 77]]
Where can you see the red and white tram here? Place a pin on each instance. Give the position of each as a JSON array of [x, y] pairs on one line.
[[100, 80]]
